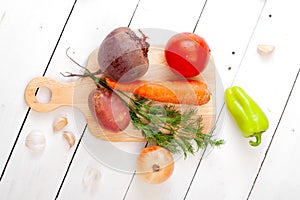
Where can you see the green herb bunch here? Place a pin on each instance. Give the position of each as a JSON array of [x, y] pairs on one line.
[[165, 125]]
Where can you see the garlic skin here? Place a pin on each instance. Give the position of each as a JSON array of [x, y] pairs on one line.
[[60, 123], [70, 137], [265, 49], [35, 141], [91, 178]]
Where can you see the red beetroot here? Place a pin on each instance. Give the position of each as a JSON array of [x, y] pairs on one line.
[[109, 110], [123, 56]]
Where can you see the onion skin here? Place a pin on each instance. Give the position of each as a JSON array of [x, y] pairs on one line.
[[123, 56], [109, 110], [155, 164]]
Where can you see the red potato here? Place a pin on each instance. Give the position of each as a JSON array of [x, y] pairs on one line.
[[123, 56], [109, 110]]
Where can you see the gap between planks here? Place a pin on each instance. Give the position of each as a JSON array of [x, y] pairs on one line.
[[131, 180], [29, 109], [197, 22], [85, 128], [239, 66], [71, 161], [273, 136]]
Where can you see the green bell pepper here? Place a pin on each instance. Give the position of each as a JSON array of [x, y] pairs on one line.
[[249, 117]]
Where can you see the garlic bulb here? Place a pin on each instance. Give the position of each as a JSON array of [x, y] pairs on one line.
[[35, 141], [59, 123], [91, 177]]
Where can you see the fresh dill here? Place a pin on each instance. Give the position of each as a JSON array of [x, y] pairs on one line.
[[165, 125]]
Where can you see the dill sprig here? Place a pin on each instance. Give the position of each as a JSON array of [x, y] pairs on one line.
[[165, 125]]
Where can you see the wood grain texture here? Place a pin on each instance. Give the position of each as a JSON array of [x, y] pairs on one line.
[[31, 46], [222, 30], [41, 175], [76, 94], [143, 17], [28, 35], [262, 77], [61, 94], [280, 159]]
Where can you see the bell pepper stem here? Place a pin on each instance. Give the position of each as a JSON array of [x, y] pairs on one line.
[[258, 140]]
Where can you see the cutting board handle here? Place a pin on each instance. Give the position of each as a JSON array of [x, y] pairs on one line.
[[61, 94]]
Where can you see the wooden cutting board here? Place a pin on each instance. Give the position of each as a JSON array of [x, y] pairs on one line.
[[76, 94]]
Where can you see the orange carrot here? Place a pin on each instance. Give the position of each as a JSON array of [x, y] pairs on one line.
[[190, 92]]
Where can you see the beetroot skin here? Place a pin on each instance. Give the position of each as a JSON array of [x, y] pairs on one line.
[[123, 56], [109, 110]]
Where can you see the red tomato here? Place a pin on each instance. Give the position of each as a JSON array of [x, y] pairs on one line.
[[187, 54]]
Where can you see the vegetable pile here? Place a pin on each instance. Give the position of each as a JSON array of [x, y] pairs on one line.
[[122, 97]]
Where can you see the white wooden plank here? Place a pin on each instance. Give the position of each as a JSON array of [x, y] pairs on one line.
[[112, 184], [166, 16], [104, 17], [235, 150], [177, 186], [31, 175], [175, 15], [227, 27], [3, 7], [229, 173], [87, 27], [73, 181], [28, 34], [279, 176]]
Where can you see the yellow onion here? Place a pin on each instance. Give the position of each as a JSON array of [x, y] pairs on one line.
[[154, 164]]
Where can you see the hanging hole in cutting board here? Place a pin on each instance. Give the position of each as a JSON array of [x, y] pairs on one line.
[[43, 95]]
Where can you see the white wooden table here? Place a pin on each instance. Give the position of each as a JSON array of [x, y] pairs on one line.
[[34, 35]]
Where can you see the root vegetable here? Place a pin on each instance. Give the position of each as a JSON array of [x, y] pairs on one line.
[[190, 92], [123, 56], [109, 110]]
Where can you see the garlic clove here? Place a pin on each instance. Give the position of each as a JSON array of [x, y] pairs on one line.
[[91, 177], [70, 137], [264, 49], [35, 141], [59, 123]]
